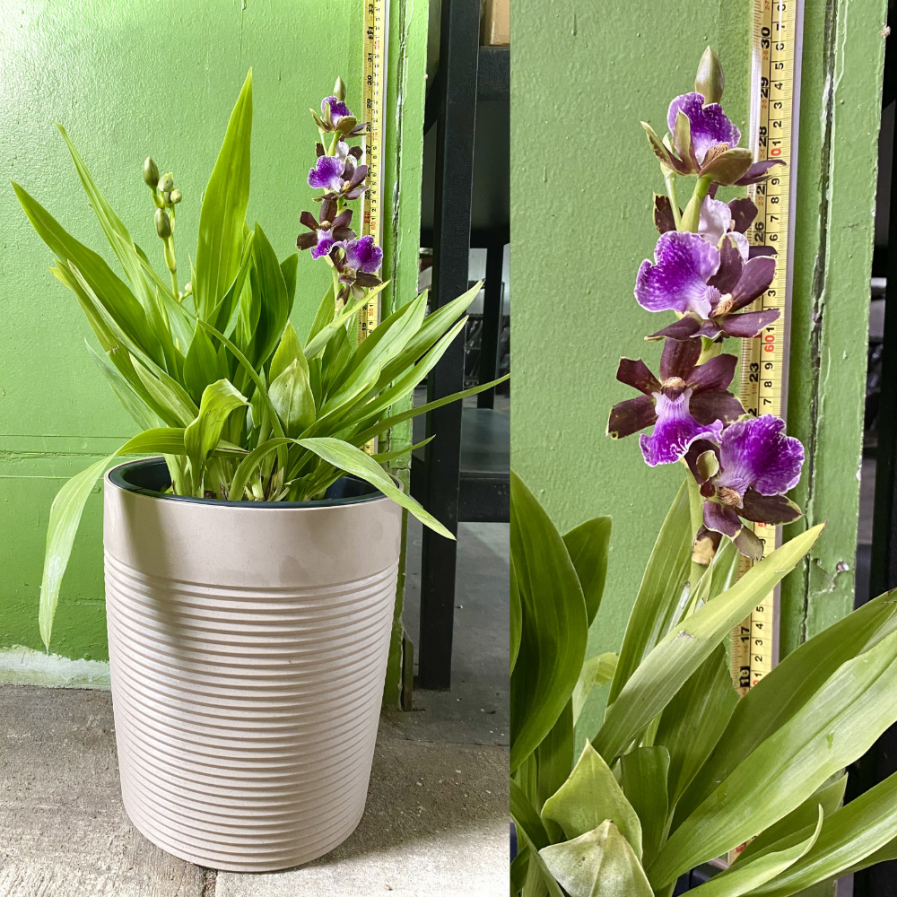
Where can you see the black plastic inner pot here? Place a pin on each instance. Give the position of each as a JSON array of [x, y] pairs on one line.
[[150, 477]]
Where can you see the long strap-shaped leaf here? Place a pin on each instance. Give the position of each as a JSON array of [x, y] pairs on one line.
[[68, 506], [224, 209], [554, 624], [668, 667], [745, 879], [841, 723], [353, 460]]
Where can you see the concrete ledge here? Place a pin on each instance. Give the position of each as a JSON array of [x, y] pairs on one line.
[[25, 666]]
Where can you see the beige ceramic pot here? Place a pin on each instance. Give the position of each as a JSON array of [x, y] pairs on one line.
[[248, 646]]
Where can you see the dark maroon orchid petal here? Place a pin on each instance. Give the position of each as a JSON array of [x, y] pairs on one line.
[[309, 220], [757, 172], [758, 251], [756, 452], [343, 233], [749, 544], [306, 241], [754, 281], [749, 324], [713, 405], [696, 449], [731, 267], [631, 416], [711, 329], [355, 153], [743, 213], [355, 192], [358, 175], [344, 219], [721, 519], [679, 358], [637, 375], [663, 213], [362, 278], [715, 373], [775, 509], [328, 209], [683, 329]]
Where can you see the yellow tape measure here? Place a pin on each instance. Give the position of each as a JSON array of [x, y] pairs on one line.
[[374, 71], [764, 361]]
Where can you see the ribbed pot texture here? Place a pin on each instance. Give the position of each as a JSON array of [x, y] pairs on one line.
[[248, 647]]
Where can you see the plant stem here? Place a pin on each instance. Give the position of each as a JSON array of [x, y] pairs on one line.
[[670, 178], [696, 510], [692, 215]]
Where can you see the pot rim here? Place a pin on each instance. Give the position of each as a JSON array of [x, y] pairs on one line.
[[115, 477]]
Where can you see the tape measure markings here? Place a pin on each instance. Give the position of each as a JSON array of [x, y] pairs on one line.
[[777, 26]]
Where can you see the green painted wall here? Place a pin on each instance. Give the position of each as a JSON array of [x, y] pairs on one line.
[[129, 79], [583, 75]]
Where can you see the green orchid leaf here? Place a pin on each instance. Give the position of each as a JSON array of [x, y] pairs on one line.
[[289, 268], [790, 685], [596, 671], [292, 399], [354, 461], [554, 760], [588, 544], [660, 592], [859, 834], [202, 365], [203, 434], [223, 213], [554, 624], [288, 351], [274, 308], [695, 719], [669, 666], [590, 796], [516, 621], [842, 722], [745, 878], [599, 863], [643, 778]]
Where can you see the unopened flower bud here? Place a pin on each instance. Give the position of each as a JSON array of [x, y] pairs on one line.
[[163, 225], [150, 172], [175, 197], [339, 90], [710, 82], [166, 183]]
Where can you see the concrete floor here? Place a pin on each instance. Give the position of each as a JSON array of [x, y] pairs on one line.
[[436, 821]]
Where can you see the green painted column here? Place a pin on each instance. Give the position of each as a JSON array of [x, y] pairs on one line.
[[582, 175], [128, 80]]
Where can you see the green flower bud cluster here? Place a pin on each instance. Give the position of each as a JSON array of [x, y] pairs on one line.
[[165, 198]]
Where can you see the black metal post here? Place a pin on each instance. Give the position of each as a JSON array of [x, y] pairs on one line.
[[492, 317], [456, 121]]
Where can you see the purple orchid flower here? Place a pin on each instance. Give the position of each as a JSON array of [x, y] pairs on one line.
[[709, 126], [356, 265], [338, 176], [703, 141], [332, 229], [706, 285], [337, 117], [746, 478], [688, 403]]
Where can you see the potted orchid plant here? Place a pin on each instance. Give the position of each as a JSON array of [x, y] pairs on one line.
[[681, 771], [251, 566]]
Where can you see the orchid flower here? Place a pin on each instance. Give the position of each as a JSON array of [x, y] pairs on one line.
[[338, 176], [688, 403], [356, 265], [332, 228], [336, 117], [706, 285], [746, 478]]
